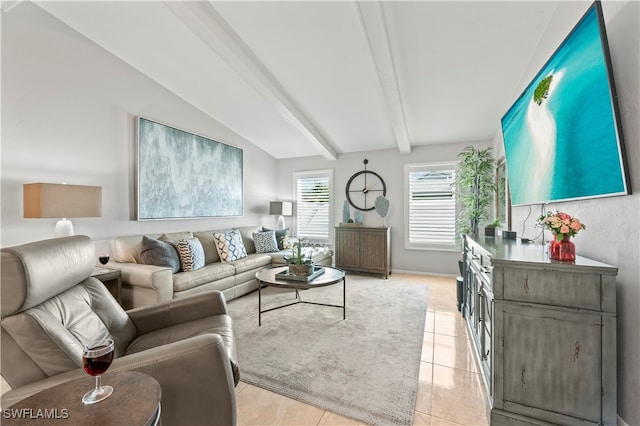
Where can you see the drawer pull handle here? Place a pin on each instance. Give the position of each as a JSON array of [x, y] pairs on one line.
[[576, 352], [485, 356], [526, 284]]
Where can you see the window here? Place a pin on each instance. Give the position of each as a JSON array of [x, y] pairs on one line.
[[430, 206], [313, 204]]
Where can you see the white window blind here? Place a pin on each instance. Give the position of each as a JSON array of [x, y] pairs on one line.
[[431, 205], [313, 204]]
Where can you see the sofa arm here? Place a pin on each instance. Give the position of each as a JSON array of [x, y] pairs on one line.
[[154, 278], [177, 311], [194, 374]]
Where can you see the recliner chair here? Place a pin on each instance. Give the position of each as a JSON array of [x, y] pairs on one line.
[[51, 306]]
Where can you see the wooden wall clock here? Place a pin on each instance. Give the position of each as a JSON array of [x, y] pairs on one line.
[[364, 187]]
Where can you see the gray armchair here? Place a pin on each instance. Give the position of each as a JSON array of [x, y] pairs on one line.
[[51, 306]]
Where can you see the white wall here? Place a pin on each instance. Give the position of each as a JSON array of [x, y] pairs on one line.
[[389, 164], [613, 227], [68, 114]]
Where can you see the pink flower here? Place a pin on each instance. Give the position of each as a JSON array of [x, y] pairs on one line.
[[564, 216], [576, 225], [564, 229]]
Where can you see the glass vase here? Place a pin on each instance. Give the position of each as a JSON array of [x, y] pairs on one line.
[[564, 249]]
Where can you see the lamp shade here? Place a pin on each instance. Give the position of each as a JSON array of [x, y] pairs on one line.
[[284, 208], [53, 200]]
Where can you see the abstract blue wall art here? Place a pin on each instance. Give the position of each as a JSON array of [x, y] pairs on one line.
[[183, 175]]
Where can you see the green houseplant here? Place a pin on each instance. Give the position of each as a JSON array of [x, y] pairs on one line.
[[490, 229], [476, 187]]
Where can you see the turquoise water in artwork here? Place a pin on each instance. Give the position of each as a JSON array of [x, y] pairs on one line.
[[566, 146]]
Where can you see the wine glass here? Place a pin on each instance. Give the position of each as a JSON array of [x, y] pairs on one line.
[[96, 359], [104, 259]]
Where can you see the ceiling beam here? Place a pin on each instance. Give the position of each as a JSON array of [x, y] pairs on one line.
[[215, 32], [375, 27]]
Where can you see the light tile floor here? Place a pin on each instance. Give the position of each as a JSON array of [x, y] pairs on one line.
[[450, 389]]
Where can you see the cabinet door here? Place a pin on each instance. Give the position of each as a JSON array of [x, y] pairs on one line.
[[347, 248], [486, 335], [373, 250], [552, 365]]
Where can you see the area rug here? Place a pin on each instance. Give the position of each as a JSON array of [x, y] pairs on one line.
[[365, 367]]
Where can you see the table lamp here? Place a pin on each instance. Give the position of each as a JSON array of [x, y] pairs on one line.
[[281, 209], [54, 200]]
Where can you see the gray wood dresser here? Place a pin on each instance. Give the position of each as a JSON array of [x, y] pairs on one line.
[[364, 249], [544, 333]]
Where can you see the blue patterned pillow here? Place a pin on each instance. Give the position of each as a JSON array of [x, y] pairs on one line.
[[265, 242], [191, 254], [230, 246]]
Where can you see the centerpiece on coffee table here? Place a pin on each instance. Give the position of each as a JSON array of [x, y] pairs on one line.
[[301, 266]]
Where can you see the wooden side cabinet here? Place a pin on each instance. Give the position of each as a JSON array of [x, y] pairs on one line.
[[364, 249], [544, 333]]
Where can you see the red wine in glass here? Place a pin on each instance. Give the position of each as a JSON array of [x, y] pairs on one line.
[[96, 359], [103, 260]]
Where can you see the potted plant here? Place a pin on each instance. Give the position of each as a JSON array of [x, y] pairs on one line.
[[490, 229], [299, 264], [476, 187]]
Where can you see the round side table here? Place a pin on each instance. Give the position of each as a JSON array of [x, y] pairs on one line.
[[135, 401]]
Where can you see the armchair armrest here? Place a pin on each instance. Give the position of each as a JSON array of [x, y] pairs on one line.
[[194, 374], [177, 311]]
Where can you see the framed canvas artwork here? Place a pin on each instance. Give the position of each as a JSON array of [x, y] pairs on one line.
[[184, 175]]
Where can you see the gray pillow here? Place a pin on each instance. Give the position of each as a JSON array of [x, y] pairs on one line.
[[159, 253]]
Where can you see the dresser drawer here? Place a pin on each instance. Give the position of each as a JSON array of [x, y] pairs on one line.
[[555, 288]]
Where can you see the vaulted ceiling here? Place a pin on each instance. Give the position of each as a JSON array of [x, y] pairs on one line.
[[303, 78]]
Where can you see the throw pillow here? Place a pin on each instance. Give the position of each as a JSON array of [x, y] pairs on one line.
[[281, 236], [159, 253], [230, 246], [191, 254], [265, 242]]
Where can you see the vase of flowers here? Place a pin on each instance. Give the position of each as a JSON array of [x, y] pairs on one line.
[[300, 264], [563, 226]]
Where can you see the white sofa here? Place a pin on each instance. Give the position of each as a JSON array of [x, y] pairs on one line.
[[144, 285]]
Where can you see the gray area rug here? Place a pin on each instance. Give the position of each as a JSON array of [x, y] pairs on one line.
[[365, 367]]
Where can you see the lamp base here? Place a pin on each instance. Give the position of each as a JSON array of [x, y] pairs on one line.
[[64, 228], [281, 224]]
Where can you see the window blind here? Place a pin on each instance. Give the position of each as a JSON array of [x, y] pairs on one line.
[[313, 206], [432, 206]]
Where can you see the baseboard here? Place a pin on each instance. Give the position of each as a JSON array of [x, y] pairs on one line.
[[621, 422], [422, 273]]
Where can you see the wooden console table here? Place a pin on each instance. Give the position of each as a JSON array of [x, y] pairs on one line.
[[544, 333], [135, 401]]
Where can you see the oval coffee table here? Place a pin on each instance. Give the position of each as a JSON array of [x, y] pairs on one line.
[[269, 278]]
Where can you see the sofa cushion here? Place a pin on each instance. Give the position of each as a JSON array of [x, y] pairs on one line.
[[159, 253], [215, 271], [251, 261], [247, 237], [208, 245], [191, 254], [230, 246], [265, 242], [281, 236], [173, 237]]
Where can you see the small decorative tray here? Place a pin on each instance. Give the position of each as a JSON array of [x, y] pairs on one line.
[[285, 275]]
